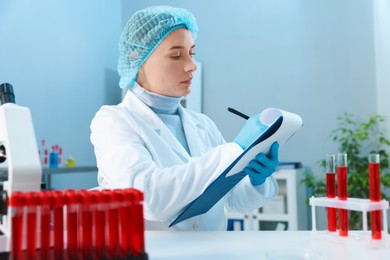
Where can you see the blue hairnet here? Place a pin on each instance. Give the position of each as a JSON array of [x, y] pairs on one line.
[[144, 31]]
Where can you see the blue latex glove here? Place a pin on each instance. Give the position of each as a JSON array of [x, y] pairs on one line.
[[263, 166], [250, 131]]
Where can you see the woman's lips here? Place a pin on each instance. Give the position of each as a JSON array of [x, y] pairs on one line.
[[187, 81]]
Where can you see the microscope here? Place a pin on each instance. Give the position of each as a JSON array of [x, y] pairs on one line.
[[18, 151]]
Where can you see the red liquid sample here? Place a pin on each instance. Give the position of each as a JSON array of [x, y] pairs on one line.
[[124, 219], [86, 224], [99, 224], [375, 195], [72, 230], [130, 198], [342, 182], [104, 201], [58, 214], [45, 204], [113, 225], [139, 241], [16, 202], [342, 194], [72, 227], [31, 233], [31, 203], [135, 212], [331, 193]]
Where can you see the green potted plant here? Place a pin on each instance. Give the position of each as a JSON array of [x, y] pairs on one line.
[[358, 139]]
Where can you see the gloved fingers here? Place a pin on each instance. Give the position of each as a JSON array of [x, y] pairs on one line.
[[255, 177], [250, 131], [274, 154], [272, 158], [267, 163], [261, 168], [264, 160], [249, 171], [258, 165]]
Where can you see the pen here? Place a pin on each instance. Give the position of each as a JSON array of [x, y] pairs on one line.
[[238, 113]]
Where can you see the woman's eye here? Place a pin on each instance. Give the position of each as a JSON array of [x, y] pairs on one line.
[[178, 56]]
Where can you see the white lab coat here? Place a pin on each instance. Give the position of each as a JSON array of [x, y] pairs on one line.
[[134, 148]]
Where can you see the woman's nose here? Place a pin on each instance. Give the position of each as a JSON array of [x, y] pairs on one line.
[[190, 65]]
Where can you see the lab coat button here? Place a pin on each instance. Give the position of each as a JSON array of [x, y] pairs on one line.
[[196, 226]]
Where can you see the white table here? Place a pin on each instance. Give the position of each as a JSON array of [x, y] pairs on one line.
[[253, 245], [247, 245]]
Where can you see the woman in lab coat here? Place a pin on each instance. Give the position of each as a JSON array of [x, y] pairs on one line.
[[150, 142]]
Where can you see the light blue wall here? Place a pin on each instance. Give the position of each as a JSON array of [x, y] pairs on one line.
[[315, 58], [382, 51], [61, 57]]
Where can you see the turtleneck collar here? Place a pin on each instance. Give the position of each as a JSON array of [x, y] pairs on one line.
[[158, 103]]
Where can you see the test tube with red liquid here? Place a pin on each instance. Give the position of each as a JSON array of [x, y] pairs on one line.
[[45, 202], [139, 242], [113, 224], [342, 185], [104, 225], [17, 202], [130, 200], [31, 211], [124, 223], [99, 224], [331, 189], [86, 224], [72, 201], [58, 216], [375, 194]]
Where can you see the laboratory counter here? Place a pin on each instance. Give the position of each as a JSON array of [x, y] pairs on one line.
[[164, 245], [258, 245]]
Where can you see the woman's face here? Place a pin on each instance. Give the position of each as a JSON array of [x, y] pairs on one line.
[[169, 70]]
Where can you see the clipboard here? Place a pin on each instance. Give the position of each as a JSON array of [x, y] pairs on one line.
[[279, 126]]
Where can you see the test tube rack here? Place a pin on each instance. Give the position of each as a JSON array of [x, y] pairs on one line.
[[81, 224], [360, 237]]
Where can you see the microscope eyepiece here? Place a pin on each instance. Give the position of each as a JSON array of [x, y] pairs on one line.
[[6, 93], [3, 155]]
